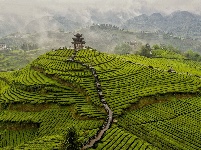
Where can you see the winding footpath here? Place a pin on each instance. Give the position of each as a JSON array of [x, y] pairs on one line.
[[109, 120]]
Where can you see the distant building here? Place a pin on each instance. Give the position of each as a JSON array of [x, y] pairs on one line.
[[2, 46]]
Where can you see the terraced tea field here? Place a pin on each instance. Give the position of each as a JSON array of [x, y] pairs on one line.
[[64, 88]]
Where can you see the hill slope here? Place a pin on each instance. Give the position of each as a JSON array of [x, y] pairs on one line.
[[152, 108]]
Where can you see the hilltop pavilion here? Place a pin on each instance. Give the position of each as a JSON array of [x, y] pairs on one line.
[[78, 41]]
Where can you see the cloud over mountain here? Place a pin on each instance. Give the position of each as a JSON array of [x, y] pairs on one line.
[[17, 15]]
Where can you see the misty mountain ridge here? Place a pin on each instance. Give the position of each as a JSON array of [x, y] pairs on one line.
[[103, 37], [181, 23], [66, 22], [49, 23], [55, 31]]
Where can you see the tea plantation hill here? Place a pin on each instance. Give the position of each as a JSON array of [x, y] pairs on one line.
[[152, 108]]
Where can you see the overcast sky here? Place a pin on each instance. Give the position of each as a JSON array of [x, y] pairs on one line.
[[38, 8]]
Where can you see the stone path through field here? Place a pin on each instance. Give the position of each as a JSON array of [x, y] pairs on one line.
[[108, 122]]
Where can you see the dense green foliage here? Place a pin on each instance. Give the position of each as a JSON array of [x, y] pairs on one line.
[[193, 55], [71, 140], [123, 49], [28, 46], [183, 66], [161, 51], [15, 59], [117, 138], [40, 102], [145, 51], [171, 125]]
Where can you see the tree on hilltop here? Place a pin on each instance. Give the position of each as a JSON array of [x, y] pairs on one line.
[[123, 48], [156, 46], [145, 50], [192, 55]]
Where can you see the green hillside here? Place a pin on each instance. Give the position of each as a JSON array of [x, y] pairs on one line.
[[17, 59], [152, 108]]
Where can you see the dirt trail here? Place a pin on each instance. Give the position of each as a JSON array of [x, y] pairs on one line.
[[109, 120]]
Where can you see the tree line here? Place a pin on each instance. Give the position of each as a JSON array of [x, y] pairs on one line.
[[148, 51], [29, 46]]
